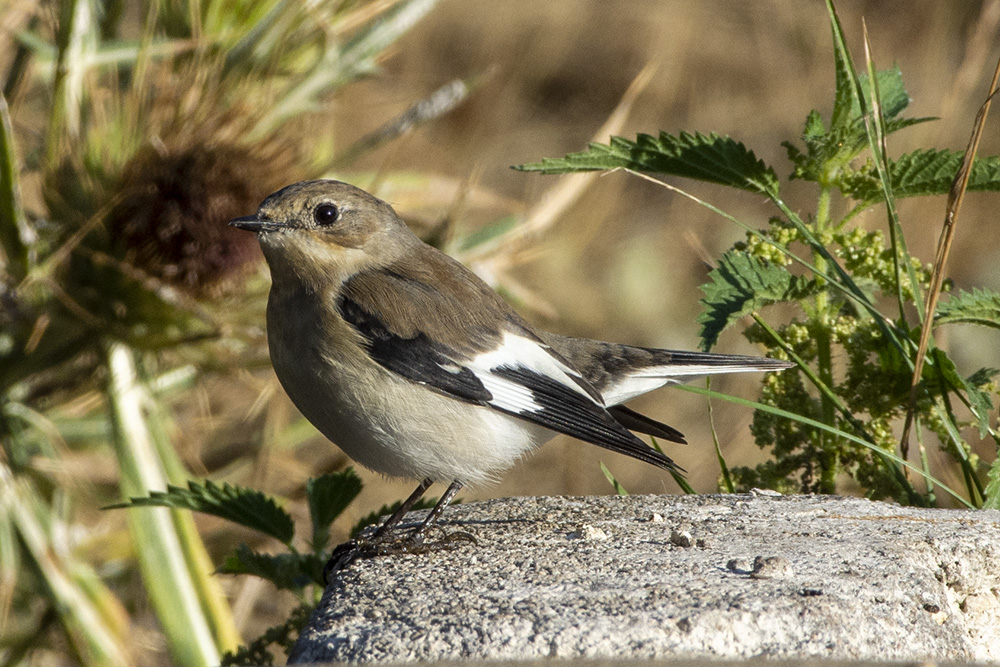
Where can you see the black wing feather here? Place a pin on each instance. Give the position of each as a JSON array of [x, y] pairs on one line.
[[566, 411], [415, 358], [636, 421]]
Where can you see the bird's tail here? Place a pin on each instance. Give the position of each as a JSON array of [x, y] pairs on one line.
[[673, 366], [676, 363]]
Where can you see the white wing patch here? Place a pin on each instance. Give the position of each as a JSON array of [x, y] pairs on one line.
[[518, 352]]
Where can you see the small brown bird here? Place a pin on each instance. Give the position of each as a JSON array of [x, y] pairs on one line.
[[416, 368]]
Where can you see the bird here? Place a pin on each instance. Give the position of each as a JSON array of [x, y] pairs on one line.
[[416, 368]]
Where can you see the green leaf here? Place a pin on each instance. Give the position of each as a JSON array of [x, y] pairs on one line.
[[847, 103], [619, 489], [827, 153], [814, 130], [892, 93], [376, 516], [923, 172], [241, 505], [992, 501], [711, 158], [982, 377], [741, 284], [895, 124], [845, 95], [289, 571], [980, 306], [328, 497], [980, 402]]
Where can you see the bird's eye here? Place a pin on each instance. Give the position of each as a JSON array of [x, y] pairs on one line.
[[325, 214]]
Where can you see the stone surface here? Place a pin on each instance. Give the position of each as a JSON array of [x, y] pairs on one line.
[[717, 576]]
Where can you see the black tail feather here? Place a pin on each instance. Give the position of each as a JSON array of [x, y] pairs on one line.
[[635, 421]]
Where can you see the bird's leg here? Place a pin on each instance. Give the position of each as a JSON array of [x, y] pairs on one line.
[[398, 515], [379, 544], [414, 543], [418, 534], [351, 550]]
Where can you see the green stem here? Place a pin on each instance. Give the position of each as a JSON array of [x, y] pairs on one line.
[[823, 318], [159, 547], [16, 235]]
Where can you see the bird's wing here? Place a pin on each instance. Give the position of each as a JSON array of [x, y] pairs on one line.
[[636, 421], [416, 358], [489, 358]]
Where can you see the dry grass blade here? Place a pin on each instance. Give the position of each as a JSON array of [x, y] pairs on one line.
[[955, 197]]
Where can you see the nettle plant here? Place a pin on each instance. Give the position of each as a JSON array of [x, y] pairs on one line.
[[867, 371]]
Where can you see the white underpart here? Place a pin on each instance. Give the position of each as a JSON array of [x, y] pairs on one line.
[[644, 380], [629, 387], [518, 352], [401, 428]]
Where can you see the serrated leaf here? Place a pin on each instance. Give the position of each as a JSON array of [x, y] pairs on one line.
[[847, 105], [814, 129], [892, 93], [712, 158], [289, 571], [329, 495], [831, 150], [808, 166], [374, 517], [845, 95], [980, 306], [739, 285], [923, 172], [241, 505], [827, 153], [982, 377]]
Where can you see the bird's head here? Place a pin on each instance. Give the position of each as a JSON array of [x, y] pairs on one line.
[[326, 231]]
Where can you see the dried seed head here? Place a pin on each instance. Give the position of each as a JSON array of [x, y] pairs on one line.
[[174, 204]]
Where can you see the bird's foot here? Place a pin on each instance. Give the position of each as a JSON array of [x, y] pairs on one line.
[[342, 557], [390, 545], [417, 543]]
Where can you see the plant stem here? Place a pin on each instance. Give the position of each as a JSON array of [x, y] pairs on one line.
[[822, 326], [158, 546]]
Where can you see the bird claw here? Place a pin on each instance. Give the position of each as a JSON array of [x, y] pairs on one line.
[[342, 557], [413, 543]]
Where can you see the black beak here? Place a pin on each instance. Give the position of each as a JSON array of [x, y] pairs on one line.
[[253, 223]]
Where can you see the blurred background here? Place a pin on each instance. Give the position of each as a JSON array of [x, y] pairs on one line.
[[625, 260], [604, 256]]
